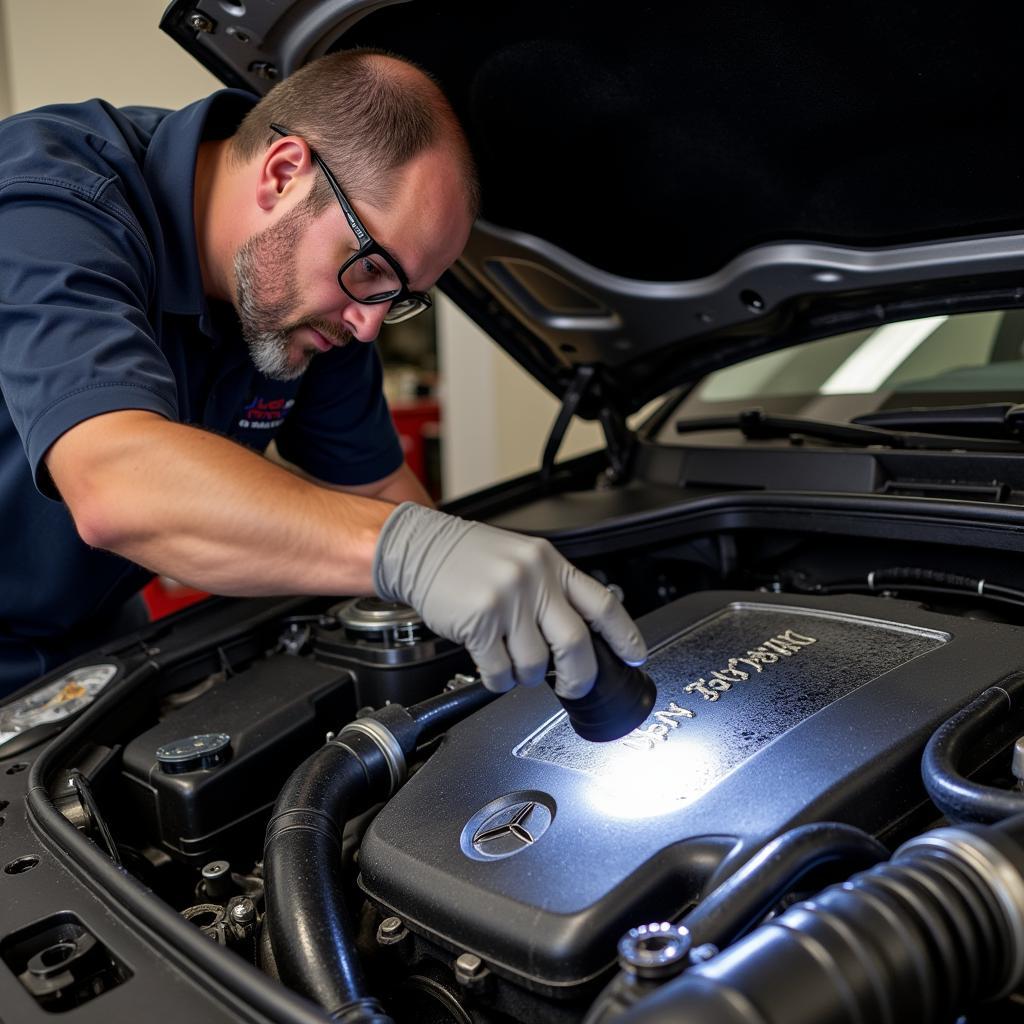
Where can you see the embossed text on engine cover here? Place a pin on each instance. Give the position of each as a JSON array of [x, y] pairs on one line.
[[729, 686]]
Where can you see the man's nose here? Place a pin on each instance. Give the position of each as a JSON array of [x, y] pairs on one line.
[[364, 320]]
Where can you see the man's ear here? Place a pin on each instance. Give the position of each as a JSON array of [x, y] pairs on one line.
[[286, 166]]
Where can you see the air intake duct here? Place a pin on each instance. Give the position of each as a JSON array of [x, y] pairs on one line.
[[933, 932]]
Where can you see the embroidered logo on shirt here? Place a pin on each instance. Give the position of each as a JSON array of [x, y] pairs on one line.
[[265, 413]]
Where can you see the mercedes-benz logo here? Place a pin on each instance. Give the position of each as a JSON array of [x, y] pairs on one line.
[[514, 828], [496, 833]]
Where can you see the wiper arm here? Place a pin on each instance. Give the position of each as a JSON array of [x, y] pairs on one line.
[[994, 419], [756, 425]]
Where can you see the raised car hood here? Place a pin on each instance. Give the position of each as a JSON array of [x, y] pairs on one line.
[[668, 188]]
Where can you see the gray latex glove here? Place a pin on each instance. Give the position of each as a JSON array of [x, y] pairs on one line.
[[511, 600]]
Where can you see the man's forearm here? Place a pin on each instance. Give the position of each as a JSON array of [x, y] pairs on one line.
[[179, 500], [404, 486], [401, 485]]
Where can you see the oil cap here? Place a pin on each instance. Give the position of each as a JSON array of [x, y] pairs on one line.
[[193, 753]]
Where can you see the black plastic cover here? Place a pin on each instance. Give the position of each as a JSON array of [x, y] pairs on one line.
[[536, 850], [275, 714]]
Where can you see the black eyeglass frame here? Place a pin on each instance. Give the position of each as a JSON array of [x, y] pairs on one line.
[[368, 245]]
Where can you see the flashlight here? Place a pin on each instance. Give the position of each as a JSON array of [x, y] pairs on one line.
[[621, 698]]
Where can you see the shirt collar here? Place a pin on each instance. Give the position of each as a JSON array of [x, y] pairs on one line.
[[170, 169]]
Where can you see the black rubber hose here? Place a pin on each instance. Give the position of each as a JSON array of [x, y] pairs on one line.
[[435, 714], [746, 896], [732, 908], [309, 924], [935, 931], [957, 797], [310, 927]]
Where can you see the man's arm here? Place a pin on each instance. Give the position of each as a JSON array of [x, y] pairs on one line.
[[212, 514], [401, 485]]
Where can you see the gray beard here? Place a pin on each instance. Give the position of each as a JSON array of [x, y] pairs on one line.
[[268, 343], [267, 295], [269, 353]]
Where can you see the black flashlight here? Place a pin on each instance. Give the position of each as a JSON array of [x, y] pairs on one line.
[[621, 698]]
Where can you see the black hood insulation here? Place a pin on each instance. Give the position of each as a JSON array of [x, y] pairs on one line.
[[659, 141]]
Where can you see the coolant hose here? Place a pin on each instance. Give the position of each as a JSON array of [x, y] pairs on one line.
[[310, 927], [435, 714], [773, 872], [957, 797], [936, 930]]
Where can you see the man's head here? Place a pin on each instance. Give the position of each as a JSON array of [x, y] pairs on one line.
[[386, 134]]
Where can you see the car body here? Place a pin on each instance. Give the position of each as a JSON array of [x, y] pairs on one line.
[[800, 233]]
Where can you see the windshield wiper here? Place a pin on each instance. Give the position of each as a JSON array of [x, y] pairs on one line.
[[994, 419], [757, 425]]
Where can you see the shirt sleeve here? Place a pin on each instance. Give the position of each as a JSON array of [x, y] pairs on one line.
[[75, 336], [340, 430]]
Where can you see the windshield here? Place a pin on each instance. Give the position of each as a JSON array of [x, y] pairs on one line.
[[935, 361]]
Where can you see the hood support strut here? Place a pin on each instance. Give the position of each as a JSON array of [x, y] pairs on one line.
[[620, 440]]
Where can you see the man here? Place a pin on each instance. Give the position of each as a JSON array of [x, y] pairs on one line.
[[177, 289]]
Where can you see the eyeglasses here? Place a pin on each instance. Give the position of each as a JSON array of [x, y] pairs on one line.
[[370, 275]]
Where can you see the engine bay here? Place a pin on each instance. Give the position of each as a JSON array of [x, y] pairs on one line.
[[758, 704], [295, 771]]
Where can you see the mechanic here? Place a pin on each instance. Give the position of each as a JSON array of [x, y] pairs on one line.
[[171, 300]]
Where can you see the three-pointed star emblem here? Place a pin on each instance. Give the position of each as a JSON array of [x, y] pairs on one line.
[[506, 826], [514, 828]]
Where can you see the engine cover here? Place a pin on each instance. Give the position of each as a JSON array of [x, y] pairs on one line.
[[536, 850]]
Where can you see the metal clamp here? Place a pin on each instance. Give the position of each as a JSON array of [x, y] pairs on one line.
[[385, 741]]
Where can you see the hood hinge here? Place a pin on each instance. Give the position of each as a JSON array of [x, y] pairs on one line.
[[620, 440]]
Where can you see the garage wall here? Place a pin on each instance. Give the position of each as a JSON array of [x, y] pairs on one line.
[[496, 416], [58, 51], [5, 85]]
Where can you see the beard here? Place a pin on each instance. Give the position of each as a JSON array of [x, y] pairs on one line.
[[267, 297]]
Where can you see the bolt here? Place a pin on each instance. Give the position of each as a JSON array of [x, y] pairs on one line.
[[1017, 765], [200, 22], [703, 953], [656, 950], [264, 69], [470, 970], [459, 680], [391, 931], [244, 911], [217, 879]]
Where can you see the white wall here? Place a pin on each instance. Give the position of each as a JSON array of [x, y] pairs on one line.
[[5, 69], [60, 51], [495, 417]]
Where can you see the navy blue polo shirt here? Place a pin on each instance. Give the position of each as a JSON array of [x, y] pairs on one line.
[[101, 309]]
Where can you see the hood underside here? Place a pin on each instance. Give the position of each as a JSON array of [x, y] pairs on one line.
[[668, 188]]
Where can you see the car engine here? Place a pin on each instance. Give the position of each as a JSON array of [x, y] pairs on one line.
[[325, 790]]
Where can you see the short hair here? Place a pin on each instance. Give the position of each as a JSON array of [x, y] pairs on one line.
[[367, 113]]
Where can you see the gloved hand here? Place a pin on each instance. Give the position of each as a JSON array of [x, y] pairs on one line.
[[510, 599]]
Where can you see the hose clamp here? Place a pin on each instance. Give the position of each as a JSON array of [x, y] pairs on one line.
[[384, 740], [999, 875]]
